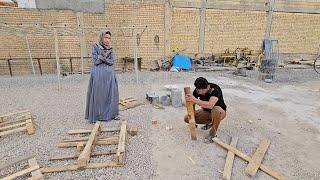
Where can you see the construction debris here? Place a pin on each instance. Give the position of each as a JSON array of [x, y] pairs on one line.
[[254, 161], [16, 122], [128, 103], [154, 121], [33, 168], [86, 145], [133, 131]]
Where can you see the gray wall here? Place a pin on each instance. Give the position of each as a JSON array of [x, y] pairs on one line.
[[92, 6]]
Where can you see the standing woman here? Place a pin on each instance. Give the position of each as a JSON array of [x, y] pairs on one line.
[[103, 95]]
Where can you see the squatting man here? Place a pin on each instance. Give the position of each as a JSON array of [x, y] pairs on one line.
[[213, 109]]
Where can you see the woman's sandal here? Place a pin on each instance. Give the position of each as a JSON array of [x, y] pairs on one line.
[[209, 138]]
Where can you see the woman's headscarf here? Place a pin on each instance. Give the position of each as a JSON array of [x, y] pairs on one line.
[[101, 37]]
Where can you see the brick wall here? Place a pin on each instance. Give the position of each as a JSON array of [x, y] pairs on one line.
[[296, 32]]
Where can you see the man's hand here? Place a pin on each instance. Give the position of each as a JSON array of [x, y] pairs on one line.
[[190, 98]]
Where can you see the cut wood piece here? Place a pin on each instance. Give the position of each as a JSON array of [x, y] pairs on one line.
[[86, 138], [8, 164], [85, 154], [245, 157], [85, 131], [105, 141], [122, 143], [12, 126], [21, 173], [133, 131], [77, 155], [30, 128], [36, 175], [1, 119], [190, 110], [75, 167], [229, 160], [257, 157], [80, 146], [13, 131]]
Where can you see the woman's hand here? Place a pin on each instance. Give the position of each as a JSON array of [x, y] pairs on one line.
[[190, 98]]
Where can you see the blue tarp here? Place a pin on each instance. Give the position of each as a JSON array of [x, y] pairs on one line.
[[182, 62]]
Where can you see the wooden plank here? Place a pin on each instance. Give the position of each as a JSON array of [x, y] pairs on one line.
[[13, 131], [12, 126], [75, 167], [8, 164], [36, 175], [20, 173], [15, 113], [86, 138], [190, 110], [85, 154], [16, 120], [245, 157], [229, 160], [85, 131], [122, 143], [77, 155], [113, 140], [257, 157]]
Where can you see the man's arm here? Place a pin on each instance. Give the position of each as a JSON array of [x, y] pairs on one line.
[[204, 104]]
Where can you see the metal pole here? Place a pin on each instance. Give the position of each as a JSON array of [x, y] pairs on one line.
[[56, 45], [29, 52], [269, 23], [135, 53]]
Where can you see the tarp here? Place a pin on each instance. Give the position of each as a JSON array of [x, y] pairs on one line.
[[182, 62]]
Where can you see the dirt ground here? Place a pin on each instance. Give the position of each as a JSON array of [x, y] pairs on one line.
[[287, 112]]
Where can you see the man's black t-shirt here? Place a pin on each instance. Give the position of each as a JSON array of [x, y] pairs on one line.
[[214, 91]]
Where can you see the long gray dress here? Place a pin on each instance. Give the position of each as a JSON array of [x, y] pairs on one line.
[[103, 95]]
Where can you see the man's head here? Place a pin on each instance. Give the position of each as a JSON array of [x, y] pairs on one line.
[[202, 85]]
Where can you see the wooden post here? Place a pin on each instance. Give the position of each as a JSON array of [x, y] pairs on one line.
[[190, 110], [85, 154], [39, 63], [81, 36], [71, 67], [135, 53], [57, 54], [167, 32], [29, 52], [269, 23], [202, 26], [9, 64]]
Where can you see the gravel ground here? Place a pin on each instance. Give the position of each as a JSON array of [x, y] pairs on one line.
[[157, 153]]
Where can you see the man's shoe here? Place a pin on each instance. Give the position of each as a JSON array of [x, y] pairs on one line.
[[206, 127]]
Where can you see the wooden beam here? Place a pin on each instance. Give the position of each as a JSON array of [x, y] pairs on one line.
[[229, 160], [16, 120], [85, 154], [77, 155], [8, 164], [12, 126], [122, 143], [85, 131], [257, 157], [190, 110], [75, 167], [20, 173], [15, 113], [245, 157], [102, 138], [107, 141], [13, 131], [36, 175]]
